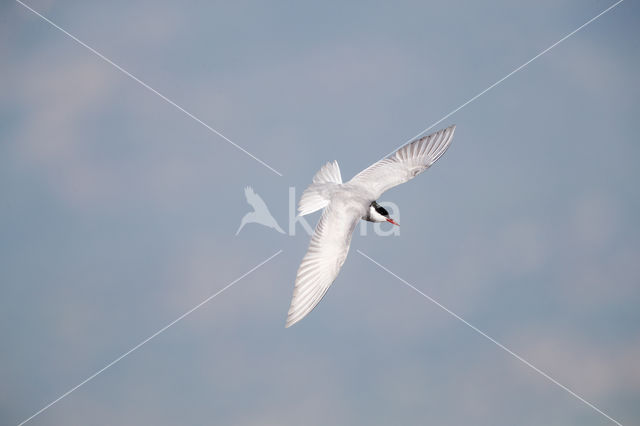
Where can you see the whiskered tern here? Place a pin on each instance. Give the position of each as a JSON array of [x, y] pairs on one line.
[[344, 205]]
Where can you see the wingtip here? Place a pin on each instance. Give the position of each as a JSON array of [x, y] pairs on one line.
[[293, 317]]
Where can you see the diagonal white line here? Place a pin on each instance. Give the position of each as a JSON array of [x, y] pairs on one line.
[[506, 77], [149, 338], [500, 345], [142, 83]]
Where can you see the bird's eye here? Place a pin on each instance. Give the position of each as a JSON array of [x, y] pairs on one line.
[[382, 211]]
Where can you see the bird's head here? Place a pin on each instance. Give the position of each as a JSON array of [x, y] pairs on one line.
[[377, 213]]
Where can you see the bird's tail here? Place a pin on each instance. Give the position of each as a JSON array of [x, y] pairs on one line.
[[318, 194]]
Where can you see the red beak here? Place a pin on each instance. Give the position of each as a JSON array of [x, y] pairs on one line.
[[392, 221]]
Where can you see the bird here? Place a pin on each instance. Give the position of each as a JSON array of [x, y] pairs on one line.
[[260, 213], [345, 204]]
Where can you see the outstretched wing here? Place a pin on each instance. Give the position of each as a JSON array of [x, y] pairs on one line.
[[406, 163], [327, 251]]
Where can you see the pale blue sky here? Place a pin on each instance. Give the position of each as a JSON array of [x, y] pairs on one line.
[[118, 213]]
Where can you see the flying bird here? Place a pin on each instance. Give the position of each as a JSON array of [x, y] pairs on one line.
[[344, 205], [260, 213]]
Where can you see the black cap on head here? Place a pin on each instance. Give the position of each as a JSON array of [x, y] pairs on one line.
[[380, 209]]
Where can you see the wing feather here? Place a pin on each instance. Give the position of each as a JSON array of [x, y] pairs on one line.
[[320, 266], [406, 163]]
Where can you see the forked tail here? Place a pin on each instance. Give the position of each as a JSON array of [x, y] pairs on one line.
[[318, 194]]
